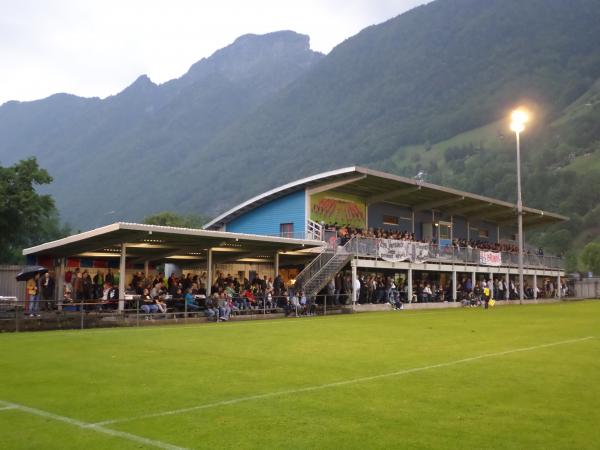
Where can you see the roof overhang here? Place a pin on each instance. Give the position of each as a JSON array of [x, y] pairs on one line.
[[169, 244], [375, 186]]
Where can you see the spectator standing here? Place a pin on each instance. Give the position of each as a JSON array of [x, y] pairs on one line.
[[47, 290], [33, 292]]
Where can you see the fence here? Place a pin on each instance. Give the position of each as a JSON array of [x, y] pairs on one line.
[[9, 286], [587, 287], [19, 315], [395, 250]]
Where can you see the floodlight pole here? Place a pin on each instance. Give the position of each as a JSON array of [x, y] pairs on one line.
[[520, 216]]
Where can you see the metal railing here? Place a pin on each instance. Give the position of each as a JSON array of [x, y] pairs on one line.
[[314, 230], [422, 252], [18, 315], [322, 261]]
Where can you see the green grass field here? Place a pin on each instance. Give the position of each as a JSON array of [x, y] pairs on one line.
[[518, 377]]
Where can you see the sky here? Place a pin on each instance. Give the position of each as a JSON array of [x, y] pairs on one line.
[[96, 48]]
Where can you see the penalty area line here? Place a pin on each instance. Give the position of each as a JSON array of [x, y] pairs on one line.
[[4, 405], [339, 383]]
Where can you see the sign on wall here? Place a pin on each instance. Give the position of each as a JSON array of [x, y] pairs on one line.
[[338, 209]]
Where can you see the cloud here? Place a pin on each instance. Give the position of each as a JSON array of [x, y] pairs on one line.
[[98, 47]]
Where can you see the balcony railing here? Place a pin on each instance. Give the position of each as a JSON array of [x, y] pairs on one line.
[[394, 250]]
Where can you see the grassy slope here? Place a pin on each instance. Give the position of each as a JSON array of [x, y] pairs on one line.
[[545, 398], [486, 136], [565, 147]]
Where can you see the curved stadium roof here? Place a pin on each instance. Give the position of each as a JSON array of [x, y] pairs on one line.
[[375, 186]]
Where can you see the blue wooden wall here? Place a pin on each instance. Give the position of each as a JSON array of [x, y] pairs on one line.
[[266, 219]]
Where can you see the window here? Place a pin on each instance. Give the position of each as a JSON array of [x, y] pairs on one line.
[[390, 220], [483, 233], [445, 228], [286, 230]]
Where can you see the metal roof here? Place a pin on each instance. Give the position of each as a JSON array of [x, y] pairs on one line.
[[161, 243], [375, 186]]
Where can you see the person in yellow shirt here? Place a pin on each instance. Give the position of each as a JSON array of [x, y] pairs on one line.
[[33, 291], [486, 296]]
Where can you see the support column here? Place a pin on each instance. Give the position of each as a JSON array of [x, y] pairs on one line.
[[410, 285], [60, 283], [535, 285], [276, 264], [507, 285], [354, 281], [454, 284], [146, 268], [413, 219], [498, 234], [558, 293], [209, 267], [473, 279], [122, 275], [468, 230], [492, 284]]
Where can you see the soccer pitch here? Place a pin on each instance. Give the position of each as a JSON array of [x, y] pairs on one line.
[[518, 377]]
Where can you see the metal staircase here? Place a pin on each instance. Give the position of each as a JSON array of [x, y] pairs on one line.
[[324, 267]]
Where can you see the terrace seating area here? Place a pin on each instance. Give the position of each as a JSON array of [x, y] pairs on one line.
[[458, 250]]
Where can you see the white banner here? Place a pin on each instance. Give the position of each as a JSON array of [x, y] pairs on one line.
[[422, 253], [490, 258], [393, 250]]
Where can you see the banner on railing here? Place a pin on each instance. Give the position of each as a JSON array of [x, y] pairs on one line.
[[422, 252], [393, 250], [490, 258]]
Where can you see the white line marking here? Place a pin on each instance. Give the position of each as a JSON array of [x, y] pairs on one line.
[[6, 408], [89, 426], [338, 383]]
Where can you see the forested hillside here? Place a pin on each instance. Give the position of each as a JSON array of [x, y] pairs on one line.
[[425, 91], [123, 157]]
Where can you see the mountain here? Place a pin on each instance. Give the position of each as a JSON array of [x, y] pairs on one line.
[[114, 158], [427, 90]]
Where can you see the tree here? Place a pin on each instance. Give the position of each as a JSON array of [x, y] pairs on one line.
[[26, 217], [172, 219], [590, 257]]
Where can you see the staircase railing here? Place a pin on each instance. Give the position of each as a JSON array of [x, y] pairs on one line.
[[314, 266], [318, 273], [314, 230]]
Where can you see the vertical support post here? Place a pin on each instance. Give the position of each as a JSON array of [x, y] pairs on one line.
[[276, 265], [535, 285], [507, 285], [410, 285], [498, 234], [354, 281], [209, 266], [558, 293], [452, 229], [146, 268], [492, 285], [520, 218], [473, 279], [454, 284], [122, 275], [412, 210], [60, 283], [468, 230]]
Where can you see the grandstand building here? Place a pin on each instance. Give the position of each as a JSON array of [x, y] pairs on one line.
[[293, 230]]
